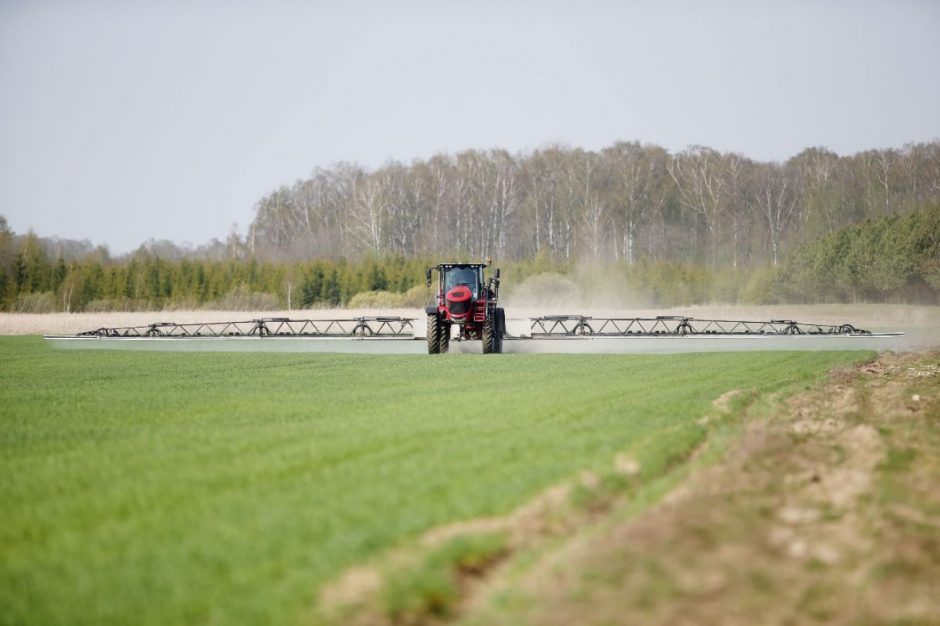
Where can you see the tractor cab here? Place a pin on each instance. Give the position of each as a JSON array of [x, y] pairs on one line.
[[469, 277], [462, 292], [464, 298]]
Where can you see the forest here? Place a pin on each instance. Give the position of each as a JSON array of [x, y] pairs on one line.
[[626, 202], [692, 227]]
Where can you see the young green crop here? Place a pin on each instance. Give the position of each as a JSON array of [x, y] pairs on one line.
[[183, 488]]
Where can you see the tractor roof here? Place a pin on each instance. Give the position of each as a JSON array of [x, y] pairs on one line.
[[442, 266]]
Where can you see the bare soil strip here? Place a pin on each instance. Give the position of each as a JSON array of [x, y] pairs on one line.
[[825, 510]]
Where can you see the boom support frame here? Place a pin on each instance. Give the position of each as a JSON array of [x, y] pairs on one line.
[[354, 327], [556, 326]]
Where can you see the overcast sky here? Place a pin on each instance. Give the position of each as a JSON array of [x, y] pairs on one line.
[[122, 121]]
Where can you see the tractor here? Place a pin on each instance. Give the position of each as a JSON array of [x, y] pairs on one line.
[[467, 300]]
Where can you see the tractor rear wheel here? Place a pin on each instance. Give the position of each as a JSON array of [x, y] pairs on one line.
[[444, 338], [499, 320], [489, 337], [434, 333]]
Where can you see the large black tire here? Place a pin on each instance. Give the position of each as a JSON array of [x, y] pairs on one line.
[[444, 338], [489, 336], [434, 334], [499, 319]]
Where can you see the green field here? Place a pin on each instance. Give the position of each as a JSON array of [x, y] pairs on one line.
[[185, 488]]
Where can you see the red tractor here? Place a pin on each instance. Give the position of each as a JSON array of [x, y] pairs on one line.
[[467, 300]]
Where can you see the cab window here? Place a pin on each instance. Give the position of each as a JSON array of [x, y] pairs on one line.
[[462, 276]]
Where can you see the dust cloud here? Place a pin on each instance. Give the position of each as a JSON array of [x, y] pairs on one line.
[[588, 287]]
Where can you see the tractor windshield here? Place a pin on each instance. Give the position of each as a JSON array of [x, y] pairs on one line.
[[461, 276]]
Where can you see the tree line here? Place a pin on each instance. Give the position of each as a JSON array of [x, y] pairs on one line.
[[627, 202], [33, 281], [895, 258], [697, 226]]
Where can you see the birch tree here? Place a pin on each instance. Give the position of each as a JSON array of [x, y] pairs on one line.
[[641, 186], [700, 185], [778, 203]]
